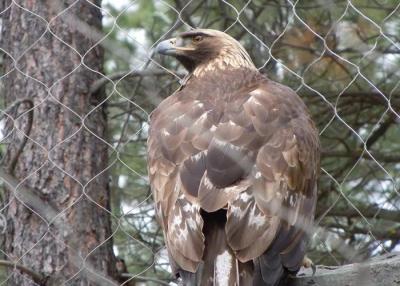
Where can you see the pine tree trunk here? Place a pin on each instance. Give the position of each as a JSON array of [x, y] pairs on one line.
[[62, 161]]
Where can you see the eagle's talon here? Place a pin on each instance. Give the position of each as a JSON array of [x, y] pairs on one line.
[[307, 263], [314, 269]]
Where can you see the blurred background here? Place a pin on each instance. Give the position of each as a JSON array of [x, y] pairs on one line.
[[342, 58]]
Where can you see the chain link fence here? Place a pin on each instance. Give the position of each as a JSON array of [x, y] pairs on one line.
[[341, 57]]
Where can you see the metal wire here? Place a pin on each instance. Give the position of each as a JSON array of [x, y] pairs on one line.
[[139, 212]]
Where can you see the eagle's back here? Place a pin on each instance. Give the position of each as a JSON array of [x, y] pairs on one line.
[[238, 146]]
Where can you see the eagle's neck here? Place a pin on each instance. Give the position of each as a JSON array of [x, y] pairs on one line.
[[226, 60], [221, 84]]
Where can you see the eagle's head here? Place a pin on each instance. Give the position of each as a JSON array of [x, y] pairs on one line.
[[203, 50]]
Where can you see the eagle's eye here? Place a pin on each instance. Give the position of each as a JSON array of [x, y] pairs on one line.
[[197, 39]]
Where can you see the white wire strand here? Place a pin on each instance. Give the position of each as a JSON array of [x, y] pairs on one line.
[[101, 40]]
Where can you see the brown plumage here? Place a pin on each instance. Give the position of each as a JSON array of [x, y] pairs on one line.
[[233, 160]]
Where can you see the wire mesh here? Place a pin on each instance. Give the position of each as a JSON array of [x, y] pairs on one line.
[[341, 57]]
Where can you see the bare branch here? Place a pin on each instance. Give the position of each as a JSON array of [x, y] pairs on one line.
[[49, 213], [144, 278], [378, 271], [382, 157], [97, 85], [28, 197], [36, 277], [367, 211], [380, 131], [386, 233], [15, 105]]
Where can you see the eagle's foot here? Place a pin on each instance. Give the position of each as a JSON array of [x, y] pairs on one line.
[[307, 263]]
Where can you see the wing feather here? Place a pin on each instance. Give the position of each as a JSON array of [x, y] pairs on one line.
[[284, 171], [185, 234], [256, 157], [243, 213]]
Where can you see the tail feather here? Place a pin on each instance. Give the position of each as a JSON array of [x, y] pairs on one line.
[[220, 266]]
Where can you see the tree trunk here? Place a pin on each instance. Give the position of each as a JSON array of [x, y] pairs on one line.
[[64, 161]]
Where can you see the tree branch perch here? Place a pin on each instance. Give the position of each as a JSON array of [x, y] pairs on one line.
[[382, 270]]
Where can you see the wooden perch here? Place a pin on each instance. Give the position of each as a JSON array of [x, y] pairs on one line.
[[383, 271]]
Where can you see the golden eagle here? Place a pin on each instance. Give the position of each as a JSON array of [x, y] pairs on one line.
[[233, 161]]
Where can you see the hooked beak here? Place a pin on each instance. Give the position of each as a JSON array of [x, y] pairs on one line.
[[167, 47], [173, 47]]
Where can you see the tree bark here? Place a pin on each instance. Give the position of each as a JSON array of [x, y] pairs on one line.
[[63, 162]]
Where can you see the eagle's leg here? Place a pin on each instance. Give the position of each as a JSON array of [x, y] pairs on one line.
[[187, 278]]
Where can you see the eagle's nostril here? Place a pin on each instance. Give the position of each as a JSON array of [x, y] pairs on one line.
[[166, 47]]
